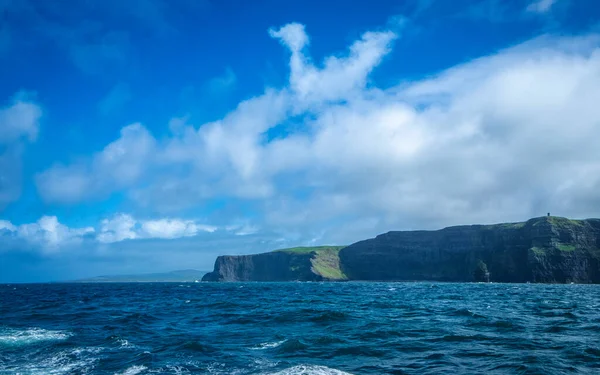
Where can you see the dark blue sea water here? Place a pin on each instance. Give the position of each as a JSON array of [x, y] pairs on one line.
[[299, 328]]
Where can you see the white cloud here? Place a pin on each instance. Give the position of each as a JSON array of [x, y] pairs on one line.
[[124, 227], [7, 225], [225, 156], [503, 137], [47, 233], [291, 35], [540, 6], [118, 228], [340, 77], [19, 120], [173, 228], [119, 165]]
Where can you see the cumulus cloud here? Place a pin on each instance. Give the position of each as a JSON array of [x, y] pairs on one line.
[[502, 137], [340, 77], [50, 236], [540, 6], [47, 234], [172, 228], [118, 228], [119, 165], [125, 227], [7, 225]]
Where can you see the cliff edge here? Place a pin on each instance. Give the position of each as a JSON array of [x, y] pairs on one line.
[[545, 250]]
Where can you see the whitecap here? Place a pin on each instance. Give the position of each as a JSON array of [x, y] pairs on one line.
[[264, 363], [268, 345], [133, 370], [178, 370], [222, 369], [62, 363], [125, 344], [310, 370], [30, 336]]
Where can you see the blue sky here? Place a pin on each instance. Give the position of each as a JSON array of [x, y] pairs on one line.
[[154, 135]]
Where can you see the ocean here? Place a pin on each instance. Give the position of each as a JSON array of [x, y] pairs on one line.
[[299, 328]]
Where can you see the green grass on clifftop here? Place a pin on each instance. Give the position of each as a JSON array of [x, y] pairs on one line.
[[310, 249], [505, 226], [326, 261], [557, 221], [564, 222]]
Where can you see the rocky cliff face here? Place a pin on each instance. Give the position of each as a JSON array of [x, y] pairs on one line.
[[274, 266], [547, 249]]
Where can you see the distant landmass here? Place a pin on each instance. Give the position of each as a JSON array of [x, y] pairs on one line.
[[173, 276], [541, 250]]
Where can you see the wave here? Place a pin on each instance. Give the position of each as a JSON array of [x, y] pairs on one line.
[[125, 344], [133, 370], [120, 342], [291, 346], [310, 370], [67, 362], [268, 345], [30, 336]]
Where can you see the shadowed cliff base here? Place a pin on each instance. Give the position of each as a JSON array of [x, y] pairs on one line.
[[541, 250]]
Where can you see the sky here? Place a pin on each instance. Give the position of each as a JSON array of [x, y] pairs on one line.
[[154, 135]]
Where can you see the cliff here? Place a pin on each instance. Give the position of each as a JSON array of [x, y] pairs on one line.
[[300, 263], [546, 249]]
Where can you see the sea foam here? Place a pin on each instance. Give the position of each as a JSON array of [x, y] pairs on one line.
[[30, 336], [268, 345], [133, 370], [310, 370]]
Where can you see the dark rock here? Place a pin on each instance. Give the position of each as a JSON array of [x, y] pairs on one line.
[[547, 249], [273, 266]]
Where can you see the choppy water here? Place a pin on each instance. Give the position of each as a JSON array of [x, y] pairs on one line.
[[299, 328]]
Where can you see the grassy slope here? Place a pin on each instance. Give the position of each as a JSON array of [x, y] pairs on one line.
[[326, 262]]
